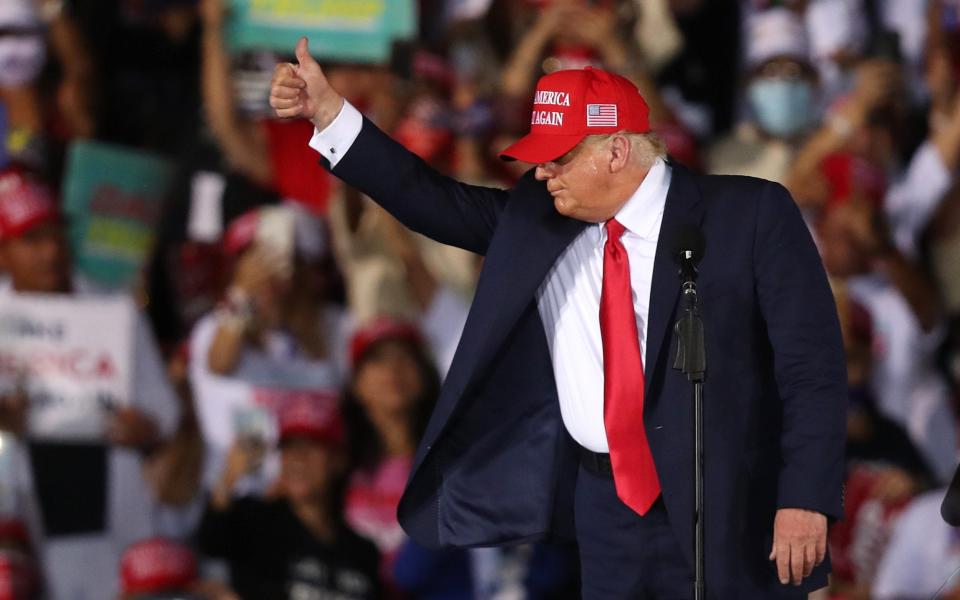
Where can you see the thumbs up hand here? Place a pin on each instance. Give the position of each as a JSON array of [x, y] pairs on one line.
[[302, 90]]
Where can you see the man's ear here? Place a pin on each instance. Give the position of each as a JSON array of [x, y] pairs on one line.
[[619, 153]]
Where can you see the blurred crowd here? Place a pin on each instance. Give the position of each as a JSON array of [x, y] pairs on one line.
[[290, 337]]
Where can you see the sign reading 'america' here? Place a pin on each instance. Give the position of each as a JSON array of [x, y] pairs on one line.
[[601, 115]]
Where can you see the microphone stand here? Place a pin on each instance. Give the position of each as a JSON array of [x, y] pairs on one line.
[[691, 358]]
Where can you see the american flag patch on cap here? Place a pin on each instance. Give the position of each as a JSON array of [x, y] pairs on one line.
[[601, 115]]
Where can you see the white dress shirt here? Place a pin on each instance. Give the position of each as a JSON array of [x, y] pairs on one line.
[[569, 298], [569, 304]]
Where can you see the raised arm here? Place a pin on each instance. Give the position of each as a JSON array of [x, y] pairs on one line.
[[237, 138], [437, 206]]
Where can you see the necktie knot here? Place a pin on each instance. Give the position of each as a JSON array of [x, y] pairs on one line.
[[615, 230]]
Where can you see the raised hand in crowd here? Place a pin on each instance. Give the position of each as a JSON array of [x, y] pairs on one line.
[[259, 269], [242, 459], [596, 28], [213, 13], [240, 140], [253, 304], [870, 236], [131, 428], [519, 72], [878, 82], [76, 96], [572, 23]]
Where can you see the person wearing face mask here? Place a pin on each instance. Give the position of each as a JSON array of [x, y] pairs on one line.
[[781, 100]]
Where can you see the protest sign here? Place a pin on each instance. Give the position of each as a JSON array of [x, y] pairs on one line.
[[278, 400], [343, 30], [72, 357], [113, 197], [256, 419]]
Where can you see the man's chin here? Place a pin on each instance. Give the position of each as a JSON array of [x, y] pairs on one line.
[[563, 205]]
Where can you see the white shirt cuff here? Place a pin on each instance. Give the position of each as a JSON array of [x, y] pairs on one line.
[[335, 140]]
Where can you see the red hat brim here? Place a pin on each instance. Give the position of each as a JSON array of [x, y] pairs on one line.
[[539, 148]]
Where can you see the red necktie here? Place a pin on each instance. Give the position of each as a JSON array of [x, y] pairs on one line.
[[634, 473]]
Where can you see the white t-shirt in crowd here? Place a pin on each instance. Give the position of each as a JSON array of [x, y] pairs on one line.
[[279, 364], [907, 387]]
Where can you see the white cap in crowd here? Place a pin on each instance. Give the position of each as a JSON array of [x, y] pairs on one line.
[[773, 33]]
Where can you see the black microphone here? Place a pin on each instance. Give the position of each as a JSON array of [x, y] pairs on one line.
[[688, 248], [950, 509]]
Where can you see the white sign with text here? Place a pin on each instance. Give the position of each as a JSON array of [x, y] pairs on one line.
[[72, 357]]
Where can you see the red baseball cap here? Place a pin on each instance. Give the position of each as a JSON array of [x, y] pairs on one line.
[[157, 565], [381, 328], [24, 204], [312, 416], [570, 105]]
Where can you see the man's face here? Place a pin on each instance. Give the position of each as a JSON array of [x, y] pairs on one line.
[[580, 181], [37, 261], [306, 468]]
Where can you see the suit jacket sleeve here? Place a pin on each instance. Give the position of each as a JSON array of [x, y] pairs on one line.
[[427, 202], [808, 357]]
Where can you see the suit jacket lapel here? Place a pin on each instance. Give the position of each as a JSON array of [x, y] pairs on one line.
[[683, 205]]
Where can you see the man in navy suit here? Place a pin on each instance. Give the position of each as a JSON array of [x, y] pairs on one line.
[[561, 416]]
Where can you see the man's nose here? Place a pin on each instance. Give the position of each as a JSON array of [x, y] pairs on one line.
[[542, 173]]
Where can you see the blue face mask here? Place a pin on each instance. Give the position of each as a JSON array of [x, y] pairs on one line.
[[783, 107]]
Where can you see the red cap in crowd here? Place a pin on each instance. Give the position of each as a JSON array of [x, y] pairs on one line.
[[381, 328], [241, 232], [314, 417], [309, 236], [157, 565], [422, 130], [24, 204], [570, 105]]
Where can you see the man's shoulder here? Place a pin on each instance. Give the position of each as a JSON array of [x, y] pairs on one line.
[[710, 183], [741, 191]]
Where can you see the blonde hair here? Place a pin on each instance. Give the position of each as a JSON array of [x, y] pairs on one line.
[[645, 147]]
